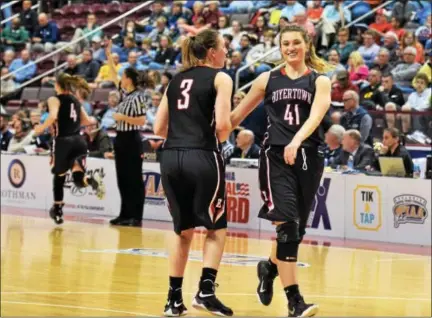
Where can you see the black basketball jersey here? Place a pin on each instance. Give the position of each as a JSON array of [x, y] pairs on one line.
[[288, 104], [69, 116], [191, 103]]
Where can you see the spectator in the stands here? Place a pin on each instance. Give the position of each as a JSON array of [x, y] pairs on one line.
[[336, 117], [342, 84], [15, 36], [157, 12], [358, 70], [315, 11], [8, 85], [26, 73], [5, 133], [245, 146], [343, 46], [152, 109], [409, 39], [260, 27], [85, 43], [381, 25], [88, 68], [405, 72], [382, 61], [423, 32], [164, 55], [300, 19], [28, 17], [393, 147], [132, 62], [426, 68], [198, 10], [355, 116], [233, 65], [392, 93], [391, 43], [98, 142], [107, 114], [236, 31], [290, 10], [35, 117], [419, 100], [369, 50], [46, 37], [98, 51], [166, 77], [8, 57], [352, 145], [147, 53], [333, 140], [403, 10], [23, 136], [103, 78], [397, 26], [261, 49], [129, 31], [371, 97], [212, 13], [160, 29], [334, 59], [175, 14], [331, 18], [129, 46], [245, 46]]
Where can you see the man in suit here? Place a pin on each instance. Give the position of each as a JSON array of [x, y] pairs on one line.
[[333, 140], [245, 146], [352, 146]]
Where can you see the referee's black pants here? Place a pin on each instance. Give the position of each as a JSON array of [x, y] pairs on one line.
[[128, 163]]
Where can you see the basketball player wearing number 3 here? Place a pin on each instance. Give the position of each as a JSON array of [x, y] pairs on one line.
[[194, 117], [296, 99]]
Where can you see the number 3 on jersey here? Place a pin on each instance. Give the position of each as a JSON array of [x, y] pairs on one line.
[[185, 86], [292, 120], [73, 113]]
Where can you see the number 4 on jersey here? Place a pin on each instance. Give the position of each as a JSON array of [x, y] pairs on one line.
[[185, 85], [289, 115], [73, 113]]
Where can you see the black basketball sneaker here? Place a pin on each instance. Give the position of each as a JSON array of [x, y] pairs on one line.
[[298, 308], [56, 213], [265, 287], [207, 301], [175, 306]]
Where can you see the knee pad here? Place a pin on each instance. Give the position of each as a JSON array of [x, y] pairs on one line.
[[287, 241], [78, 179], [58, 184]]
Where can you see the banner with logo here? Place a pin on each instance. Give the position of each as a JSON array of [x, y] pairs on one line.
[[25, 181], [327, 215], [366, 202], [408, 212], [84, 200]]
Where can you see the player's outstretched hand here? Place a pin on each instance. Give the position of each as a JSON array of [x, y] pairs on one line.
[[290, 152], [38, 130]]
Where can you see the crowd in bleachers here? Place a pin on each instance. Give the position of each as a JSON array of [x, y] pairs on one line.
[[382, 64]]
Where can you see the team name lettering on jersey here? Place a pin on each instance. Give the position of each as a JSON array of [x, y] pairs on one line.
[[292, 93]]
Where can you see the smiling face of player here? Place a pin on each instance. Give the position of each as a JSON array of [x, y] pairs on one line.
[[293, 47]]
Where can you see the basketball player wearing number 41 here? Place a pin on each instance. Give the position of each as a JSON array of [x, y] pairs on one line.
[[291, 163], [194, 117]]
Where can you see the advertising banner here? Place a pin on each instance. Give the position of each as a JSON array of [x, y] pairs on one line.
[[365, 199], [25, 181], [407, 213]]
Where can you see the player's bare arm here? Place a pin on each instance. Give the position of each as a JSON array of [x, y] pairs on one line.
[[224, 88], [160, 126], [85, 119], [53, 106], [251, 101]]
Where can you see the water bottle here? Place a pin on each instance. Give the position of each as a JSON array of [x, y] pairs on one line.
[[417, 171], [350, 162]]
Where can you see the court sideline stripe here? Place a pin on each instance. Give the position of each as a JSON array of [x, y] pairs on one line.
[[221, 294], [75, 307]]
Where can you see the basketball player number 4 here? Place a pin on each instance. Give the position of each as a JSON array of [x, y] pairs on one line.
[[292, 120], [185, 86], [73, 113]]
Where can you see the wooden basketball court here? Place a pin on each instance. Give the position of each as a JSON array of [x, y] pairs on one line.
[[87, 268]]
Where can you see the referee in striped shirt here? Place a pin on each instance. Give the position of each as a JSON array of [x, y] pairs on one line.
[[130, 118]]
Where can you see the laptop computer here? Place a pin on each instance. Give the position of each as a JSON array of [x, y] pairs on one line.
[[392, 166]]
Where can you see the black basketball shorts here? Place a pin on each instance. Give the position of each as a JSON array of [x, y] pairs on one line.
[[194, 184], [66, 151], [289, 191]]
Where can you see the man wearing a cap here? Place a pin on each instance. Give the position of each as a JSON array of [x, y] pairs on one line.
[[5, 134], [343, 84]]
